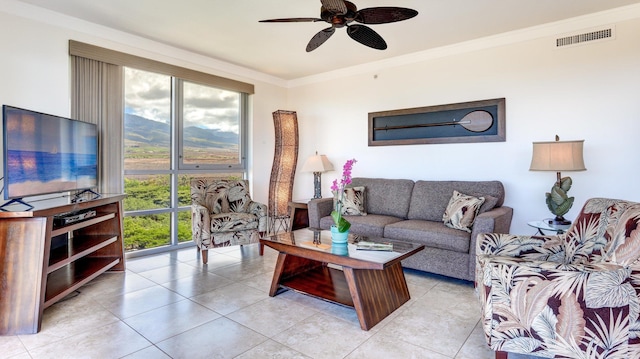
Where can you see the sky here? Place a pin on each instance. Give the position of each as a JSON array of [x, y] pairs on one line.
[[149, 95]]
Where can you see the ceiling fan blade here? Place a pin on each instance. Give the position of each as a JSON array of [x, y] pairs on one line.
[[336, 7], [383, 15], [366, 36], [320, 38], [294, 19]]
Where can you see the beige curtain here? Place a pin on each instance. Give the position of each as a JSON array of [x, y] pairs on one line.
[[97, 96]]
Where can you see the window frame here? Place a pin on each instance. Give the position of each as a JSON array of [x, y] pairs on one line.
[[176, 168], [111, 116], [241, 166]]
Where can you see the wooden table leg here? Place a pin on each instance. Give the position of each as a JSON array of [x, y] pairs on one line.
[[288, 266], [376, 293]]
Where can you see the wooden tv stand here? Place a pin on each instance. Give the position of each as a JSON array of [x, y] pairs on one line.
[[42, 261]]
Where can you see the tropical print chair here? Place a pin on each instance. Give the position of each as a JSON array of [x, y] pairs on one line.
[[223, 214], [573, 295]]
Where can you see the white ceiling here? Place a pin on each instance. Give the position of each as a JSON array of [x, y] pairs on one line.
[[228, 30]]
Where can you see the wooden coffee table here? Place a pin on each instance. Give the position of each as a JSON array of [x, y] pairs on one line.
[[372, 282]]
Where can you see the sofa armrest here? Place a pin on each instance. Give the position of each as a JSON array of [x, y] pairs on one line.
[[497, 220], [318, 208]]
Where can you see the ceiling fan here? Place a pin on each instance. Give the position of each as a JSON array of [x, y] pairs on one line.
[[341, 13]]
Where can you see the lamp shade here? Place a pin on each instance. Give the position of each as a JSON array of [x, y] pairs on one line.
[[317, 163], [557, 156]]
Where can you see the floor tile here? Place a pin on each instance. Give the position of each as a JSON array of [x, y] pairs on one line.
[[140, 301], [115, 283], [11, 345], [476, 347], [382, 347], [271, 350], [146, 263], [111, 341], [151, 352], [196, 284], [434, 330], [169, 273], [271, 316], [230, 298], [322, 336], [244, 270], [24, 355], [261, 282], [75, 314], [220, 338], [169, 320]]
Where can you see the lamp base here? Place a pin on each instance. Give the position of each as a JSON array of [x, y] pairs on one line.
[[558, 222], [317, 185]]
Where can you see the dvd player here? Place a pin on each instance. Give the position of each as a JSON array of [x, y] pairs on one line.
[[68, 218]]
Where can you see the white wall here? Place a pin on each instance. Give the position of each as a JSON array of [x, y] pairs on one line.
[[589, 92]]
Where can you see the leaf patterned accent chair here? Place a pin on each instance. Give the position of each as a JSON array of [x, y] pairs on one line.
[[573, 295], [223, 214]]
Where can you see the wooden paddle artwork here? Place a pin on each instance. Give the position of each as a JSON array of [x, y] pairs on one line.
[[475, 121]]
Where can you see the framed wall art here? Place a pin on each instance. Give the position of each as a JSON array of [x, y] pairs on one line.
[[476, 121]]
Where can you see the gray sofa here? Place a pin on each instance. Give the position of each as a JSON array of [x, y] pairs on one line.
[[405, 210]]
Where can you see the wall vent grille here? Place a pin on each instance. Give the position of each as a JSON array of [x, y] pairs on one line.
[[597, 35]]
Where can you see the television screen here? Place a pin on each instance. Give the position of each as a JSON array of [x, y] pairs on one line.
[[47, 154]]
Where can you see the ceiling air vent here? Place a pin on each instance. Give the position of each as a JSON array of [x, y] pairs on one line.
[[583, 37]]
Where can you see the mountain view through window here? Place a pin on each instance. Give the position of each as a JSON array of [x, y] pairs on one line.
[[174, 131]]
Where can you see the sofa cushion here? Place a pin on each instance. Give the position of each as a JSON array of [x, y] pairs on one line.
[[431, 234], [389, 197], [429, 199], [353, 202], [369, 225], [462, 211]]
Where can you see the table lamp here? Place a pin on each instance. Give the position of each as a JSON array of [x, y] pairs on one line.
[[317, 164], [558, 156]]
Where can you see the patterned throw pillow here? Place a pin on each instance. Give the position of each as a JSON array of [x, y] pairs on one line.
[[462, 211], [353, 201]]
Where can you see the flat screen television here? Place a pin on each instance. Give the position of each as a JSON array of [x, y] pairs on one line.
[[46, 154]]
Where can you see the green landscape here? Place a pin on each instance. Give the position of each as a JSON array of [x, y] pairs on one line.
[[148, 231]]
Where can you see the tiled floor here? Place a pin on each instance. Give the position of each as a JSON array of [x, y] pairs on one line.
[[173, 306]]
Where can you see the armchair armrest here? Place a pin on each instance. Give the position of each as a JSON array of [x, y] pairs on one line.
[[555, 307], [200, 223], [260, 210], [543, 248], [497, 220], [318, 208]]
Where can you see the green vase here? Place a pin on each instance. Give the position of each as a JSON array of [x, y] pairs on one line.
[[338, 237]]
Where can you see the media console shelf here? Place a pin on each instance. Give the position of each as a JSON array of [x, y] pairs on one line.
[[41, 262]]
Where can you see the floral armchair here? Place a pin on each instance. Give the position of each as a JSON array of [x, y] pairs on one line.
[[574, 295], [223, 214]]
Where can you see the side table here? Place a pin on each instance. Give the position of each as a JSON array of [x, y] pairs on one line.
[[298, 215], [543, 225]]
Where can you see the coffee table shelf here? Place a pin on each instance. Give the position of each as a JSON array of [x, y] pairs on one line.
[[374, 285], [322, 282]]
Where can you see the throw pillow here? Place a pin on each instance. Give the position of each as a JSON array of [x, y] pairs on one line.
[[489, 203], [461, 211], [353, 203]]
